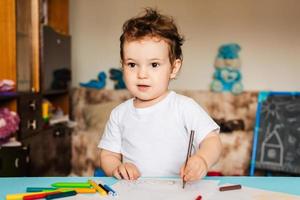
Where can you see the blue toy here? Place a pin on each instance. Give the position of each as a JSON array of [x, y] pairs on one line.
[[116, 75], [227, 76], [229, 51], [97, 84]]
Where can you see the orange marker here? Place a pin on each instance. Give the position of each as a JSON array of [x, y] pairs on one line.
[[79, 190]]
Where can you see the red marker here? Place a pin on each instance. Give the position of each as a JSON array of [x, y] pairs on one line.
[[199, 197], [39, 196]]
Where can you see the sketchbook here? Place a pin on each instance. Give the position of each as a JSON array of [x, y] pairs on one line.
[[153, 188]]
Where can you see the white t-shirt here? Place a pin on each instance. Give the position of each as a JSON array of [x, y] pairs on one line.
[[156, 138]]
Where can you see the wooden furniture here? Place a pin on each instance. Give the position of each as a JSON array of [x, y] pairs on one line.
[[50, 152], [20, 24], [21, 60], [14, 161], [8, 45]]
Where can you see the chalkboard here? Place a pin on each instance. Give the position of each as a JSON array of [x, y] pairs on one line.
[[277, 132]]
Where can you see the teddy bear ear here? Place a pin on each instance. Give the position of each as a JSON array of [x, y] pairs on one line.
[[237, 47]]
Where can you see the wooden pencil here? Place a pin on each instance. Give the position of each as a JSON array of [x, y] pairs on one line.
[[230, 187], [189, 153]]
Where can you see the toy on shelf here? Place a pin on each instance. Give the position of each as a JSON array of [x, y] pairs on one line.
[[9, 124], [7, 85], [97, 84], [227, 76], [61, 79], [116, 75]]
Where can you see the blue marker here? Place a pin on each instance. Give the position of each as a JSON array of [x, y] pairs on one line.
[[39, 189], [111, 191]]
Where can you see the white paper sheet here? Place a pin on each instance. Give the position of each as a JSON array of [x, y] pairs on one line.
[[247, 193], [166, 189], [157, 189], [171, 189]]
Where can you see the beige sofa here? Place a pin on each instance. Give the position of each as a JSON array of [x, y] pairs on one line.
[[235, 114]]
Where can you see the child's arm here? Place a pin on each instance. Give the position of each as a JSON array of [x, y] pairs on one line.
[[112, 165], [205, 157]]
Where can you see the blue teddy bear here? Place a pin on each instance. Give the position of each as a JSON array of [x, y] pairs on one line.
[[227, 76]]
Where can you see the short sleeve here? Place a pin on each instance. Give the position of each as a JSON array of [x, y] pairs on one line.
[[197, 119], [111, 139]]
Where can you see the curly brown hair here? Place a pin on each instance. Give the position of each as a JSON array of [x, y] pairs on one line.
[[153, 24]]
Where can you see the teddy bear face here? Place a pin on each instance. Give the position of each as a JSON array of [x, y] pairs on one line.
[[222, 63]]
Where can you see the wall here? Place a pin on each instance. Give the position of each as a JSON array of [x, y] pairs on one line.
[[267, 30]]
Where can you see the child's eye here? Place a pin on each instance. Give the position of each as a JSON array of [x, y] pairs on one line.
[[131, 65], [154, 65]]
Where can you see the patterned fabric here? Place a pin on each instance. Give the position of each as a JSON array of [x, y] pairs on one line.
[[91, 109], [9, 124]]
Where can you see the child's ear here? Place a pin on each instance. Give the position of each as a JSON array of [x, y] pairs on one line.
[[176, 67]]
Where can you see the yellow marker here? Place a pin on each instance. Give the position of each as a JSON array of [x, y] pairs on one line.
[[21, 195], [99, 189], [79, 190]]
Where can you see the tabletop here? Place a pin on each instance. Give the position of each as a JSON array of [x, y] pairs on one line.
[[289, 185]]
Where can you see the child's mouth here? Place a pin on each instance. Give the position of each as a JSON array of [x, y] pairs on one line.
[[143, 88]]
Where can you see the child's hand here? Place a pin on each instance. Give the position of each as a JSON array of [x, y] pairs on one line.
[[195, 169], [127, 171]]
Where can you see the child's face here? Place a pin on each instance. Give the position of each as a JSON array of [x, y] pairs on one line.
[[147, 70]]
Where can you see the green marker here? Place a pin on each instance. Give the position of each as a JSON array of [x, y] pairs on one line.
[[71, 185], [61, 194]]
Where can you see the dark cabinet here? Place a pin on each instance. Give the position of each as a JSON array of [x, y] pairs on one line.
[[50, 151], [55, 61], [14, 161], [30, 112]]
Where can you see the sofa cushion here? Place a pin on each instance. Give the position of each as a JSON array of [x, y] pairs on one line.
[[96, 115]]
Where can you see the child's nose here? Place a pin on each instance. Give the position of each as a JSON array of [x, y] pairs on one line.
[[142, 73]]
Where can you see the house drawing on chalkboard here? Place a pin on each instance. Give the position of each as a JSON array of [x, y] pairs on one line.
[[276, 140], [272, 148]]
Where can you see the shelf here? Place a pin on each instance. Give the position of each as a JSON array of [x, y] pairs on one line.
[[6, 96]]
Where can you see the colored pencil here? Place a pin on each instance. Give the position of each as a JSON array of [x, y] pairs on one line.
[[79, 190], [189, 153], [99, 189], [39, 196], [199, 197], [106, 190], [39, 189], [19, 195], [230, 187], [71, 185], [111, 191], [61, 194]]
